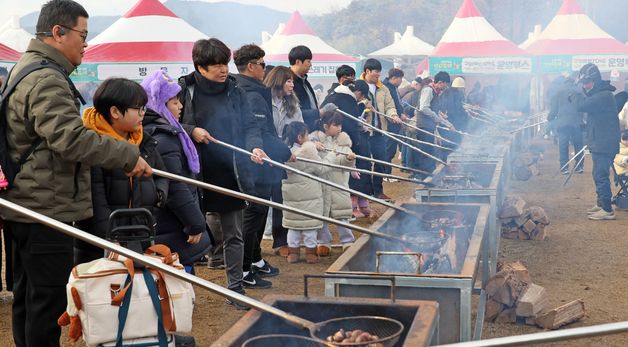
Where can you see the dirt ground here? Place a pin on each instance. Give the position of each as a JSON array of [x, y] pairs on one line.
[[579, 259]]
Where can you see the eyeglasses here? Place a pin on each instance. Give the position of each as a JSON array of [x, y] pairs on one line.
[[49, 33], [141, 109], [260, 63]]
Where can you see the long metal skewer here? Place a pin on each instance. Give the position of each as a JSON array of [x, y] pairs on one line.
[[367, 172], [419, 129], [484, 111], [315, 178], [385, 133], [422, 142], [401, 167], [456, 131], [571, 159], [276, 205], [574, 170], [528, 126]]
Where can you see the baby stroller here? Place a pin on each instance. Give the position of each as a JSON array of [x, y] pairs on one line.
[[620, 199]]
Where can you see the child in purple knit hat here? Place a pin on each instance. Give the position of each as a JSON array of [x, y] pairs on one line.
[[180, 223]]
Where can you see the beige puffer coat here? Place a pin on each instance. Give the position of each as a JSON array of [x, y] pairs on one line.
[[302, 192], [383, 103], [55, 178], [337, 204]]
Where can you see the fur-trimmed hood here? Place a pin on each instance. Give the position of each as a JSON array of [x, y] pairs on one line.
[[342, 140], [344, 90]]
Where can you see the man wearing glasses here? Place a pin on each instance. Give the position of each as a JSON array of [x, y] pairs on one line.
[[44, 126], [249, 59]]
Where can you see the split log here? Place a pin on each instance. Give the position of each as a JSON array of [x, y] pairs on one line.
[[565, 314], [522, 235], [522, 173], [507, 316], [528, 227], [532, 302], [493, 309], [508, 283], [539, 233], [520, 220], [512, 206], [530, 320], [538, 215], [498, 290], [512, 235]]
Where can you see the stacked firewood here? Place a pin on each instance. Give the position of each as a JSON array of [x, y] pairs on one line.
[[517, 222], [526, 165], [512, 297]]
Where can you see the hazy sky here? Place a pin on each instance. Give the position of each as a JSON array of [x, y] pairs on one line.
[[118, 7]]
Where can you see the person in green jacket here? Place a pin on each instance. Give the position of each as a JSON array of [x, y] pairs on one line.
[[54, 180]]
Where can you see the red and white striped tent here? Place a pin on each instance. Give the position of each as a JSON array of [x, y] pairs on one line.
[[325, 59], [572, 39], [149, 36], [8, 56], [472, 45]]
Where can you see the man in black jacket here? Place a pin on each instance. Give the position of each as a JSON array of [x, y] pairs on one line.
[[392, 82], [214, 104], [300, 58], [249, 60], [567, 122], [602, 135]]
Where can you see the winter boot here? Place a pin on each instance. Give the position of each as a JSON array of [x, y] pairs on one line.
[[293, 254], [310, 255], [323, 250]]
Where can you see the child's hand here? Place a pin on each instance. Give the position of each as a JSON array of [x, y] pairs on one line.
[[319, 146], [624, 160], [201, 135], [351, 156], [355, 175]]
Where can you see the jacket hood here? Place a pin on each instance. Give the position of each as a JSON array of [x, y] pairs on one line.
[[97, 122], [248, 83], [340, 89], [152, 121], [601, 86], [343, 139], [379, 83]]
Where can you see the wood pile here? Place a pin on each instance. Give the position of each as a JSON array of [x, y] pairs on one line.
[[517, 222], [526, 165], [512, 297]]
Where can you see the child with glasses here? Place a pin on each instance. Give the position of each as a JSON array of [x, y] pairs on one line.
[[118, 111]]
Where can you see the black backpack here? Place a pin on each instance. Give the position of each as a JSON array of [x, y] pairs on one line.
[[7, 166]]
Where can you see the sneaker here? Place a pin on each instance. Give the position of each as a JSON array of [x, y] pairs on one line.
[[238, 306], [265, 271], [216, 264], [602, 215], [564, 172], [366, 211], [385, 179], [594, 209], [393, 180], [253, 281], [384, 197], [357, 213], [184, 341], [580, 170]]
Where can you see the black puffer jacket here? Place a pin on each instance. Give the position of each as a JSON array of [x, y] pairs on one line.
[[113, 190], [181, 215], [223, 110], [344, 98], [260, 102], [602, 122], [395, 95]]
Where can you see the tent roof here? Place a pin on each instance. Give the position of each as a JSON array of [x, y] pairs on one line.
[[295, 33], [407, 45], [573, 32], [148, 32], [8, 54], [470, 34], [12, 35]]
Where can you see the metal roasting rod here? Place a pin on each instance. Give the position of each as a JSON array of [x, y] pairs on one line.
[[422, 142], [548, 336], [456, 131], [148, 261], [382, 162], [571, 159], [315, 178], [385, 133], [574, 169], [251, 198], [483, 111], [425, 131], [367, 172], [528, 126]]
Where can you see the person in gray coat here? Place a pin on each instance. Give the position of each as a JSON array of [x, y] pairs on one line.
[[568, 123]]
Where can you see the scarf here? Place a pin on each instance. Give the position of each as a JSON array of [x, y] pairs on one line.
[[97, 122]]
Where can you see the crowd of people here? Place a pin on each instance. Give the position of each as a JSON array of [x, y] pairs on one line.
[[80, 168]]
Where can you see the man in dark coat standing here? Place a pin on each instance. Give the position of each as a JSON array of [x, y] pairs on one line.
[[214, 104], [392, 82], [300, 58], [602, 135], [249, 59]]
